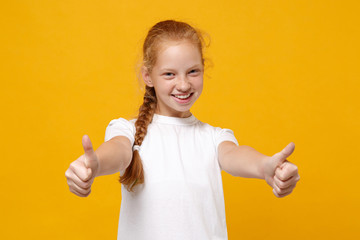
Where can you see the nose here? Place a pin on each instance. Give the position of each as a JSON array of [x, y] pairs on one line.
[[183, 84]]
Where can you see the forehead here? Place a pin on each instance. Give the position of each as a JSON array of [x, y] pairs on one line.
[[178, 52]]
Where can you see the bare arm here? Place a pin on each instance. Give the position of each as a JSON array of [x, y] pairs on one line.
[[241, 161], [114, 155], [111, 157], [244, 161]]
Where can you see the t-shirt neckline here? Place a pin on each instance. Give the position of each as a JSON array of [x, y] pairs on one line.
[[174, 120]]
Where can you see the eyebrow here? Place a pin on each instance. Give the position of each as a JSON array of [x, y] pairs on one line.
[[170, 69]]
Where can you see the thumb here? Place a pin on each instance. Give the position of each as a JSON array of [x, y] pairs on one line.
[[90, 156], [281, 156]]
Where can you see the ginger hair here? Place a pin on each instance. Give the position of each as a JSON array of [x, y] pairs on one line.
[[158, 35]]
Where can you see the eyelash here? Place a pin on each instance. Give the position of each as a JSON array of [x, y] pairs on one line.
[[192, 71]]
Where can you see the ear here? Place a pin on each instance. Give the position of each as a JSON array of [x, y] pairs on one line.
[[146, 76]]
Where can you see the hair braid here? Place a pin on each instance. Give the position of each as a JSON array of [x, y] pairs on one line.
[[134, 173], [159, 34]]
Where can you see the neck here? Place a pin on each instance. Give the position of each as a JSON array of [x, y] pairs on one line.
[[175, 114]]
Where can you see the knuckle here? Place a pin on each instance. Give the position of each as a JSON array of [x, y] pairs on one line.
[[282, 195], [80, 193], [294, 171], [72, 166], [69, 183], [282, 176], [282, 185], [287, 193], [87, 193], [71, 188], [276, 182], [86, 185], [84, 190], [83, 185]]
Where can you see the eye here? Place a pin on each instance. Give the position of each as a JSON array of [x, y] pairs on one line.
[[194, 71], [168, 74]]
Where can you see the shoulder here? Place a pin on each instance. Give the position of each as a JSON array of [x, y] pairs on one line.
[[122, 121], [219, 134], [120, 127], [215, 130]]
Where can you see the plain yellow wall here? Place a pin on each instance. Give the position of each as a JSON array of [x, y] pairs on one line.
[[282, 71]]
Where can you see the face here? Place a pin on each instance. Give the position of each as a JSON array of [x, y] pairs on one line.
[[177, 78]]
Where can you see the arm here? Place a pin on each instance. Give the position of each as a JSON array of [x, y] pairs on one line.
[[114, 155], [244, 161], [241, 161]]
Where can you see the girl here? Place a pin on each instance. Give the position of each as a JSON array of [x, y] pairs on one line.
[[170, 162]]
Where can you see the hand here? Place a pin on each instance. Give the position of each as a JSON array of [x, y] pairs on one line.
[[82, 172], [281, 174]]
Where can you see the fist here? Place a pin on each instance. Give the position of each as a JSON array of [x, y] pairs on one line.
[[281, 174], [81, 173]]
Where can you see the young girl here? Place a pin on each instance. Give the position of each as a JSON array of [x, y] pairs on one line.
[[170, 162]]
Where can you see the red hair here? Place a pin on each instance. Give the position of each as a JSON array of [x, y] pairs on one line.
[[159, 34]]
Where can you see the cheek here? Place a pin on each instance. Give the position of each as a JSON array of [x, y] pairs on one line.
[[198, 84], [163, 88]]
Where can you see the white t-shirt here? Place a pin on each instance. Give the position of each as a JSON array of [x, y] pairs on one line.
[[182, 197]]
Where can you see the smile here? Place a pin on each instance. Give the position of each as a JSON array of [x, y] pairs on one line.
[[183, 99], [182, 96]]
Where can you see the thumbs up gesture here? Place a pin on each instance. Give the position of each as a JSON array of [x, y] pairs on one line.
[[281, 174], [81, 173]]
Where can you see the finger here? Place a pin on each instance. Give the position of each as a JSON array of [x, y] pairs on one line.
[[284, 190], [281, 195], [90, 157], [283, 164], [79, 169], [284, 174], [285, 153], [290, 167], [288, 150], [283, 184], [75, 187], [78, 193], [72, 178]]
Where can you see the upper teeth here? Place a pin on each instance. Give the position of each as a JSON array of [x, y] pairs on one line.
[[182, 96]]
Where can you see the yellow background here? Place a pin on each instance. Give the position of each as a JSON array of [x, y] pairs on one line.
[[282, 71]]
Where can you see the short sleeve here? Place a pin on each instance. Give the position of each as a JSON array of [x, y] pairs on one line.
[[224, 134], [120, 127]]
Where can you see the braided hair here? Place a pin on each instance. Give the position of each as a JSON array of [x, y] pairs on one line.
[[169, 30]]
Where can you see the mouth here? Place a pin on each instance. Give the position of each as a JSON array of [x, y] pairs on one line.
[[182, 98]]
